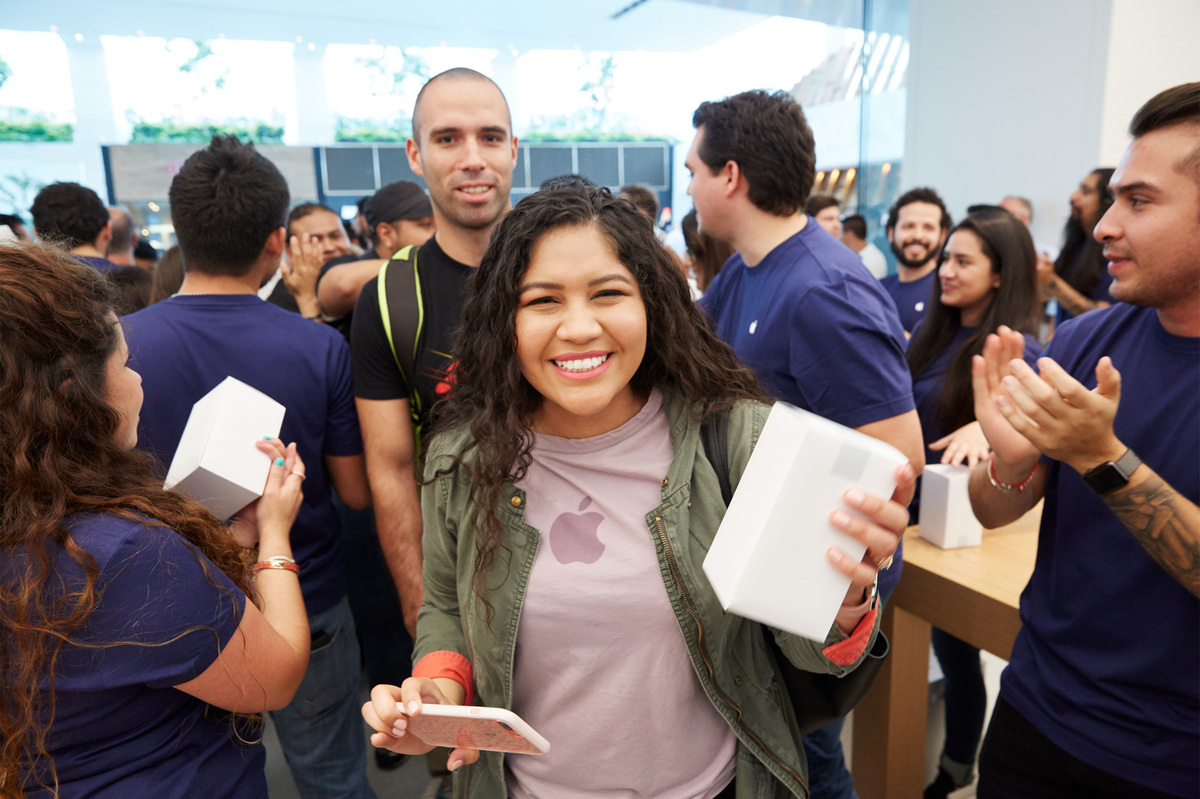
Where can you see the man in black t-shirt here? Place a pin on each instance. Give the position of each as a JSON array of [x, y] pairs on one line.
[[397, 215], [468, 170]]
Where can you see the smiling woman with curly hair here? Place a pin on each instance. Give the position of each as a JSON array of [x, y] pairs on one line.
[[568, 509]]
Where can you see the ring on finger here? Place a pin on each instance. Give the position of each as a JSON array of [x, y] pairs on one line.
[[303, 476]]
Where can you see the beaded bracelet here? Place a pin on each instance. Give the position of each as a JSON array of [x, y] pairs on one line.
[[277, 562], [1009, 488]]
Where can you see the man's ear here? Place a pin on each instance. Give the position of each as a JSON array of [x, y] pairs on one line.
[[732, 174], [276, 243], [414, 156], [104, 237], [889, 235]]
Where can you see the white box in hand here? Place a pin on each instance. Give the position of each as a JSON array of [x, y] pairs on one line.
[[768, 561], [216, 462], [946, 516]]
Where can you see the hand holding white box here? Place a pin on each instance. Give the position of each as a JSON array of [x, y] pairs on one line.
[[946, 516], [216, 462], [768, 561]]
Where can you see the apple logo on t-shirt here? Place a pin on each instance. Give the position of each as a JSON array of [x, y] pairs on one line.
[[573, 536]]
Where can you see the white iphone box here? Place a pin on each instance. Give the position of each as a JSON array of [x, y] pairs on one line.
[[768, 561], [946, 516], [216, 462]]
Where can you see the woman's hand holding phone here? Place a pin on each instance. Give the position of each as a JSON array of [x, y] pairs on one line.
[[384, 715]]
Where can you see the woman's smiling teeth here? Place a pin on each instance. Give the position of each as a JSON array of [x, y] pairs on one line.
[[581, 364]]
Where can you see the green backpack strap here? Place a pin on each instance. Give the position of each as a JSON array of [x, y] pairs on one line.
[[400, 298]]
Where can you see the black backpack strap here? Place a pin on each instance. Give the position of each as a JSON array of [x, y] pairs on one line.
[[400, 301], [714, 437]]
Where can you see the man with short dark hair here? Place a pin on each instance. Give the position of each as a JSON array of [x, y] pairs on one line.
[[398, 215], [917, 225], [827, 211], [1102, 693], [124, 237], [217, 326], [73, 217], [854, 236], [796, 305]]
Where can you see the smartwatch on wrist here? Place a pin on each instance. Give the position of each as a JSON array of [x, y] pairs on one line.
[[1111, 475]]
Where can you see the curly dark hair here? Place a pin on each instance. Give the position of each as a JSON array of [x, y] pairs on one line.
[[68, 214], [495, 400], [766, 134], [1008, 246], [59, 458]]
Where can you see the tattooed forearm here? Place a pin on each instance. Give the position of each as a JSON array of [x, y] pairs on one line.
[[1070, 299], [1165, 523]]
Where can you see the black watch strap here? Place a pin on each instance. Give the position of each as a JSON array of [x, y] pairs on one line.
[[1111, 475]]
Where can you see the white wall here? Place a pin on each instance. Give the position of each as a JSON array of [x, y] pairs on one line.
[[1006, 98], [1026, 96], [1153, 45]]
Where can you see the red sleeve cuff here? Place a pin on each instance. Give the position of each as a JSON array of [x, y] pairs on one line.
[[445, 664], [851, 649]]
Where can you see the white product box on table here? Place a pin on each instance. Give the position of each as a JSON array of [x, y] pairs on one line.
[[216, 462], [768, 561], [946, 516]]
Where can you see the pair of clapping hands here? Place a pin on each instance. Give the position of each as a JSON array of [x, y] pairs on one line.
[[1021, 414]]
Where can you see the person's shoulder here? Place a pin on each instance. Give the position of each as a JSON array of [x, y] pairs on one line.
[[444, 446], [104, 534], [890, 282]]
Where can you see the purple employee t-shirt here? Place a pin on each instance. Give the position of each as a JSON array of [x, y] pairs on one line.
[[187, 344], [164, 614]]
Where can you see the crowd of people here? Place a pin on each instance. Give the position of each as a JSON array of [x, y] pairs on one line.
[[463, 379]]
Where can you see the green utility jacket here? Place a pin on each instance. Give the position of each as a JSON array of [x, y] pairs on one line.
[[728, 653]]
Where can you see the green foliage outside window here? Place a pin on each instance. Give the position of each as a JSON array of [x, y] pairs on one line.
[[170, 132]]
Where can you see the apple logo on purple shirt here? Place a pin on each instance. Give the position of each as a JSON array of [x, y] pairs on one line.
[[573, 536]]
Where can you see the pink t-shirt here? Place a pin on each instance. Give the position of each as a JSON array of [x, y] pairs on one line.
[[601, 667]]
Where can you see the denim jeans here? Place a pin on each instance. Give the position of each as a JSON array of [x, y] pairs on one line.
[[386, 644], [828, 777], [966, 696], [321, 730]]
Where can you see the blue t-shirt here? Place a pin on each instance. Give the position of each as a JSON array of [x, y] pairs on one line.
[[1107, 663], [816, 328], [187, 344], [99, 264], [912, 299], [165, 612], [819, 333]]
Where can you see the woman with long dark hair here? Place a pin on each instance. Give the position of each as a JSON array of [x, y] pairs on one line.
[[987, 278], [131, 652], [568, 509]]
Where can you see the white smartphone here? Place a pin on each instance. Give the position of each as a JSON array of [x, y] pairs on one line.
[[491, 728]]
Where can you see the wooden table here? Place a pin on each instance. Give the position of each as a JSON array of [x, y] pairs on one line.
[[971, 593]]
